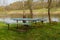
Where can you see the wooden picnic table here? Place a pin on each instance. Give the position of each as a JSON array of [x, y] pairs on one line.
[[26, 19]]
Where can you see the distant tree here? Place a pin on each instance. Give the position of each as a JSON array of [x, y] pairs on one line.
[[1, 8], [58, 3], [23, 8], [15, 6], [42, 3]]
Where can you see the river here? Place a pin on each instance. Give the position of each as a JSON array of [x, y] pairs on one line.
[[9, 20]]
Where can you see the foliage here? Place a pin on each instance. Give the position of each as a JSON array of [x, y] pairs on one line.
[[2, 9]]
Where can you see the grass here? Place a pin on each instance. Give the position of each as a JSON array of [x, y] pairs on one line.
[[46, 32]]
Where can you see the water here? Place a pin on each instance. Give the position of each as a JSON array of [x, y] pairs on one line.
[[53, 19], [9, 20]]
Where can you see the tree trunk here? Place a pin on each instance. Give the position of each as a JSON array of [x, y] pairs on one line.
[[31, 12], [30, 7], [17, 24], [24, 16], [49, 8]]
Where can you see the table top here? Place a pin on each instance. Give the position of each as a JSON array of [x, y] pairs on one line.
[[28, 19]]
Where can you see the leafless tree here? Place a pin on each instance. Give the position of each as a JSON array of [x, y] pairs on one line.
[[30, 7], [49, 9]]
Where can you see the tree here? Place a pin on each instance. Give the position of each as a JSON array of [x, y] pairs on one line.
[[42, 3], [1, 8], [58, 3], [30, 7], [24, 16], [49, 9]]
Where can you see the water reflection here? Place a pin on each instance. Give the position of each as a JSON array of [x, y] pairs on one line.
[[53, 19]]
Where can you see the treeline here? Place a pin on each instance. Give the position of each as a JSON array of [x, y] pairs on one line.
[[35, 5]]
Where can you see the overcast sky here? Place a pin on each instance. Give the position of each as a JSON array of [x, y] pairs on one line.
[[7, 2]]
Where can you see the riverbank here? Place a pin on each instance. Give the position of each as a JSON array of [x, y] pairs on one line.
[[16, 15], [36, 13], [44, 32]]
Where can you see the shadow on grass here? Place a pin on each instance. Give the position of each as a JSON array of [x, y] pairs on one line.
[[26, 28]]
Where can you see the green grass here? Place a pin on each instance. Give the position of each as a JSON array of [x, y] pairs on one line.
[[45, 32]]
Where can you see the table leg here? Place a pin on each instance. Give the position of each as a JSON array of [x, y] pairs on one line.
[[17, 24], [8, 26]]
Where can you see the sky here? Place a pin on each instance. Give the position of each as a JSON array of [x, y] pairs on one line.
[[7, 2], [11, 1]]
